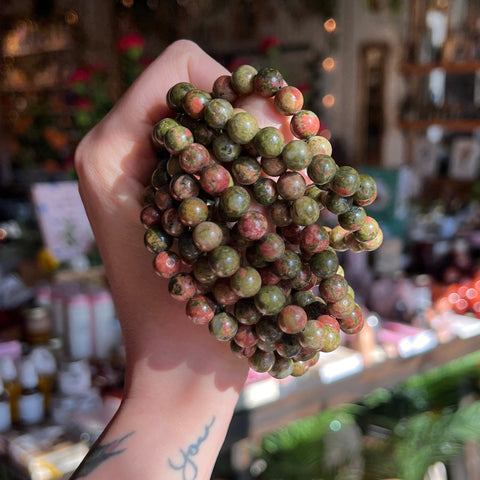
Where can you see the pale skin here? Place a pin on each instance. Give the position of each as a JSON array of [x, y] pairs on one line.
[[181, 384]]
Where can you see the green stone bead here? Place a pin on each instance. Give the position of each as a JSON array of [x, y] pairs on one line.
[[192, 211], [345, 182], [207, 236], [353, 219], [296, 155], [217, 113], [324, 264], [246, 282], [243, 78], [194, 103], [270, 300], [242, 128], [261, 361], [279, 212], [176, 93], [366, 192], [319, 145], [223, 326], [268, 81], [322, 169], [246, 170], [177, 138], [160, 129], [337, 204], [282, 368], [269, 142], [225, 149], [157, 240], [274, 166], [234, 202], [291, 185], [305, 211], [264, 191], [246, 312], [160, 175], [224, 261], [368, 231], [203, 272], [287, 266], [288, 100]]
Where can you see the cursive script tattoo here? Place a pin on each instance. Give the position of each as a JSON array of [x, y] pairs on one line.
[[187, 465], [98, 455]]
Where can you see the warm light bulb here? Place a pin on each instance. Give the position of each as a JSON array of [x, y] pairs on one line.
[[71, 17], [330, 25], [127, 3], [328, 64], [328, 100]]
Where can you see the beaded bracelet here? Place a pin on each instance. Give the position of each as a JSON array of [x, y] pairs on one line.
[[278, 295]]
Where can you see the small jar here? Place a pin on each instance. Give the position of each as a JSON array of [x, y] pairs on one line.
[[37, 325]]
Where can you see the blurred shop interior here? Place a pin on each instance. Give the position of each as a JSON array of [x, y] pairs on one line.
[[396, 86]]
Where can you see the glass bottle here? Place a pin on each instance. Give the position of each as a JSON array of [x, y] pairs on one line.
[[31, 400], [5, 411], [9, 375]]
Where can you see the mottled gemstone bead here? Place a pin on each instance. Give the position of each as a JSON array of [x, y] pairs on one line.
[[194, 158], [274, 166], [304, 124], [222, 88], [182, 287], [246, 170], [166, 264], [319, 145], [194, 103], [268, 81], [160, 129], [252, 225], [288, 100], [291, 185], [177, 138], [207, 236], [243, 78], [217, 113], [242, 128], [296, 155], [176, 93], [225, 149], [269, 142], [157, 240], [223, 326], [192, 211], [264, 191], [322, 169]]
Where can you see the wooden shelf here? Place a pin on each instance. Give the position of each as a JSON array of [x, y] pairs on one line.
[[449, 67], [310, 396], [460, 125]]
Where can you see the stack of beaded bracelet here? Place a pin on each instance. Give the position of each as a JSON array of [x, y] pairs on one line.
[[267, 280]]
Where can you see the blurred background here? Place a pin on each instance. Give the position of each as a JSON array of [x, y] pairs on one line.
[[396, 85]]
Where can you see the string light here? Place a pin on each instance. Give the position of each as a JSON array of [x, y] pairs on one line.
[[71, 17], [330, 25], [128, 3], [328, 101], [328, 64]]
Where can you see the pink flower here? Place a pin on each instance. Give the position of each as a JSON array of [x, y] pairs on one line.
[[132, 40], [237, 62], [79, 75], [269, 42]]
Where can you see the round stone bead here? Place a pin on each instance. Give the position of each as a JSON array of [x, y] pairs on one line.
[[324, 264], [322, 169], [252, 225], [343, 307], [246, 170], [224, 261], [157, 240], [207, 236], [299, 369], [264, 191], [269, 142], [291, 233], [279, 213], [368, 231], [242, 128], [246, 312], [223, 293], [166, 264], [303, 298], [345, 182], [312, 336], [305, 280], [313, 239], [304, 124], [162, 198], [234, 202], [225, 149], [176, 93], [296, 155], [182, 286], [373, 244], [217, 113], [319, 145], [305, 211], [291, 185], [288, 100], [270, 300], [173, 165], [271, 247], [171, 222], [287, 266], [333, 288], [336, 203], [223, 326], [184, 186], [282, 368], [274, 166], [261, 361], [194, 103], [160, 129], [316, 308], [194, 158], [246, 282], [353, 219], [177, 138], [215, 179], [243, 78], [292, 319], [192, 211], [200, 309], [246, 336], [268, 330], [254, 257], [203, 272], [222, 88], [288, 346], [160, 175], [266, 346], [203, 133], [150, 215], [187, 249], [352, 323], [268, 81], [241, 352], [366, 192]]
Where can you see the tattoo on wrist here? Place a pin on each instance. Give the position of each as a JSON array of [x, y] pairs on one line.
[[187, 466], [98, 455]]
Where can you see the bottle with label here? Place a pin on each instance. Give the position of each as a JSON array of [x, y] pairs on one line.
[[11, 383], [46, 367], [103, 323], [37, 325], [31, 401], [5, 412]]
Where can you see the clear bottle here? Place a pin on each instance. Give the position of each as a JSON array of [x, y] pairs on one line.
[[78, 331], [31, 401], [11, 383], [103, 323], [5, 411]]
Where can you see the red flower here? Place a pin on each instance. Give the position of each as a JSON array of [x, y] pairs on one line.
[[237, 62], [269, 42], [132, 40], [83, 103], [304, 87], [79, 75]]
